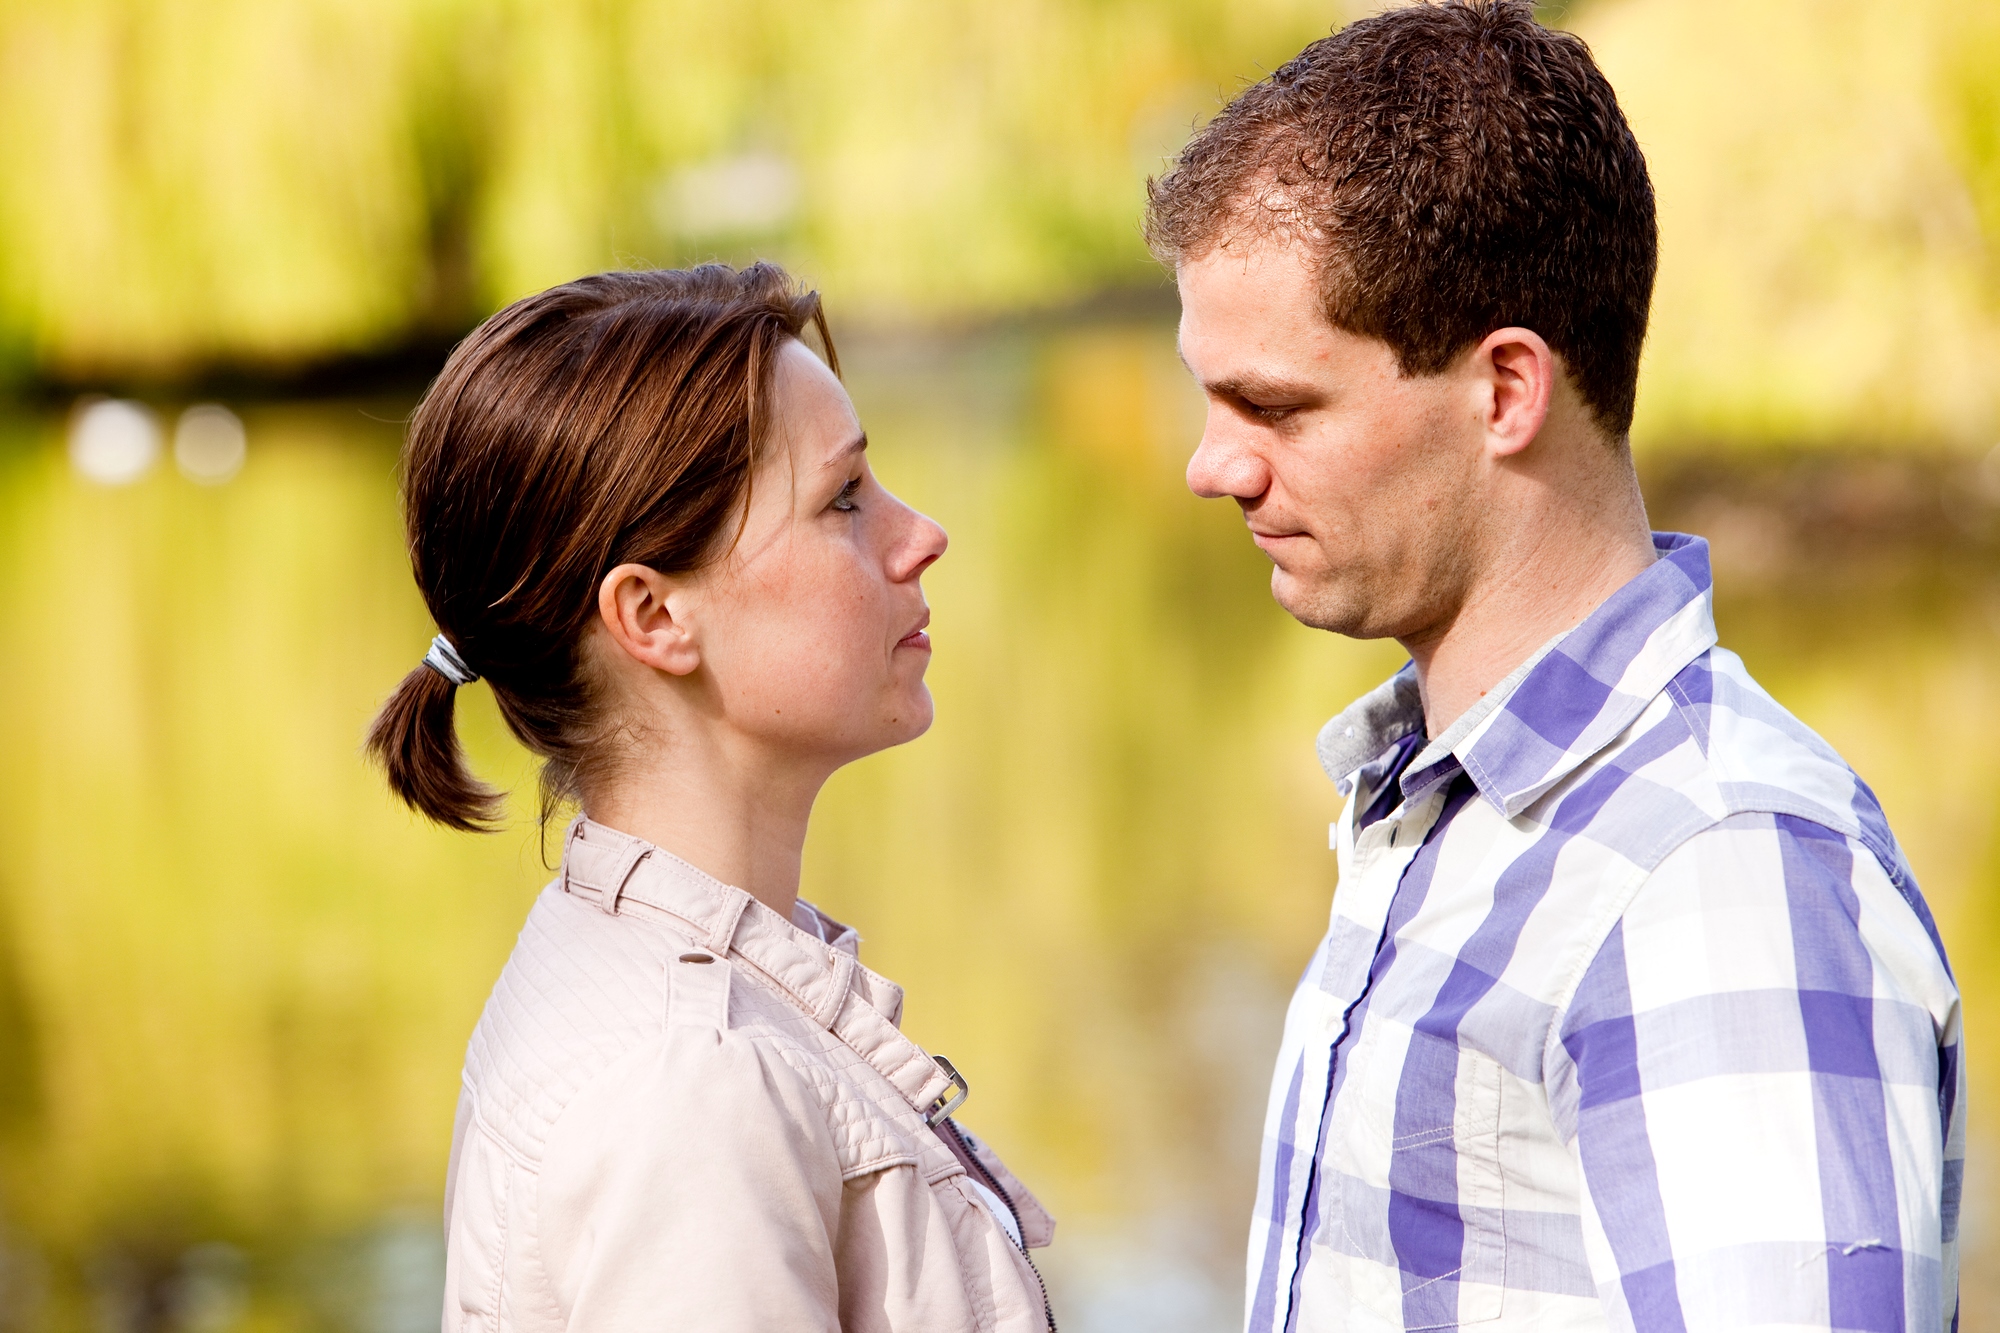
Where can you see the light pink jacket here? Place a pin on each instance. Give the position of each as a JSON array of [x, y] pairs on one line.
[[682, 1111]]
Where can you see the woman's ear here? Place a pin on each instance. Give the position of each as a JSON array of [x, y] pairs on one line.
[[639, 607]]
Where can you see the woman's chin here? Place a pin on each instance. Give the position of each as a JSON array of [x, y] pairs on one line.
[[913, 717]]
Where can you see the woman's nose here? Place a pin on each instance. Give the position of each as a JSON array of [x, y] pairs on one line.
[[924, 540]]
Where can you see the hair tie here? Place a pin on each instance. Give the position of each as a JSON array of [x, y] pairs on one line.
[[444, 659]]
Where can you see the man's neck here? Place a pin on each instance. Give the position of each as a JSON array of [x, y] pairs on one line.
[[1546, 584]]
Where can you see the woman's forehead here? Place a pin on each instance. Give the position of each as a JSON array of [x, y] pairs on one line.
[[814, 415]]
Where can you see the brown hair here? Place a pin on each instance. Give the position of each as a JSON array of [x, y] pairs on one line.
[[1452, 168], [615, 419]]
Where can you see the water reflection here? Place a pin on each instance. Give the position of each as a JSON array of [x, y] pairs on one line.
[[235, 980]]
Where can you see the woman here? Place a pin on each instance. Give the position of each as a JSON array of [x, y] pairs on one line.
[[640, 508]]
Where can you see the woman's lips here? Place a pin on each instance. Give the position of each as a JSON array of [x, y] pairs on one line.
[[916, 638]]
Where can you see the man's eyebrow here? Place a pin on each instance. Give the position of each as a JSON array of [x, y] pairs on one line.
[[847, 451], [1254, 387]]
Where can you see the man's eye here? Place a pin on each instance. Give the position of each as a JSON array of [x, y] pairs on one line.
[[845, 500], [1263, 413]]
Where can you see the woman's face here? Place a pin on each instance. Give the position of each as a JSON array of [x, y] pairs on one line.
[[811, 630]]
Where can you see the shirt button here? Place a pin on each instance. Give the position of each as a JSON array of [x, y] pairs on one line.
[[697, 958]]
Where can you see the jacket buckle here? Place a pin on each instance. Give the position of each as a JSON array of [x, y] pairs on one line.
[[951, 1098]]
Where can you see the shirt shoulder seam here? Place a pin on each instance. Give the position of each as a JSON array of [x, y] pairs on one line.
[[1593, 940]]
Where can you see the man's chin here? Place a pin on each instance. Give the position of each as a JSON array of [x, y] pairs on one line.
[[1321, 606]]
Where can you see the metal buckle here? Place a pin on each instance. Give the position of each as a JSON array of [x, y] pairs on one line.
[[950, 1100]]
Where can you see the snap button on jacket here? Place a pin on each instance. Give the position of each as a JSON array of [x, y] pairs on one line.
[[682, 1111]]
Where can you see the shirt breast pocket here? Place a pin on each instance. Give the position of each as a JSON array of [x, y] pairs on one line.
[[1416, 1173]]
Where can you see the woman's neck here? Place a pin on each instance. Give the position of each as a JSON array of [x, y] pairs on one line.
[[722, 808]]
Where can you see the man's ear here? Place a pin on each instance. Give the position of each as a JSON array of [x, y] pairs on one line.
[[644, 611], [1517, 372]]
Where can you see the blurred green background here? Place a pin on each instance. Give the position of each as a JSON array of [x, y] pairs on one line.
[[236, 980]]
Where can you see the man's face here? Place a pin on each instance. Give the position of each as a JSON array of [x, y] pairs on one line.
[[1360, 484]]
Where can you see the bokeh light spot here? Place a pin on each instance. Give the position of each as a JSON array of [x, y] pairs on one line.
[[113, 441], [209, 444]]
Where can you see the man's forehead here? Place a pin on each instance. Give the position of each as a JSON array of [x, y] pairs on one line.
[[1253, 356], [1273, 360], [1259, 297]]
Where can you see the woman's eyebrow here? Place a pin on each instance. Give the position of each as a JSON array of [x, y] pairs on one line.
[[854, 446]]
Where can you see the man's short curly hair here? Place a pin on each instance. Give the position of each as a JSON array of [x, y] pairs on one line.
[[1452, 167]]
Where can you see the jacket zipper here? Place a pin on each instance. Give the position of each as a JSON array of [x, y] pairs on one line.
[[1048, 1310]]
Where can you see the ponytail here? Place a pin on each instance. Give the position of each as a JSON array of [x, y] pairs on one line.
[[417, 745]]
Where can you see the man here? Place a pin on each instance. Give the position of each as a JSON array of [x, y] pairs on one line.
[[1630, 1014]]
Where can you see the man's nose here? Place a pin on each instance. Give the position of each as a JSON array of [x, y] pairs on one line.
[[1224, 465]]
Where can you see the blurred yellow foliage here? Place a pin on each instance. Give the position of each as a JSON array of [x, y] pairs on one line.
[[1828, 174], [269, 181], [264, 179]]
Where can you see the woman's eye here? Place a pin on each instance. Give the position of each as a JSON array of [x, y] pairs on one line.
[[845, 500]]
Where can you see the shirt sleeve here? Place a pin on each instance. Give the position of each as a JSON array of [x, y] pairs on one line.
[[693, 1186], [1765, 1092]]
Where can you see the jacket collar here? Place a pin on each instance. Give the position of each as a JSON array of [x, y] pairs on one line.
[[1558, 708], [860, 1008]]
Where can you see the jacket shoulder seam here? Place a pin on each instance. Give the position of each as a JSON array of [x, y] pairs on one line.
[[481, 1125]]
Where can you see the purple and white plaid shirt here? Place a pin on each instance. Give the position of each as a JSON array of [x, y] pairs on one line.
[[1629, 1015]]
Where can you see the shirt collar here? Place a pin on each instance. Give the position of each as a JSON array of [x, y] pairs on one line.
[[1558, 708]]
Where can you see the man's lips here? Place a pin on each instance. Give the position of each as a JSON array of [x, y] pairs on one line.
[[916, 638]]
